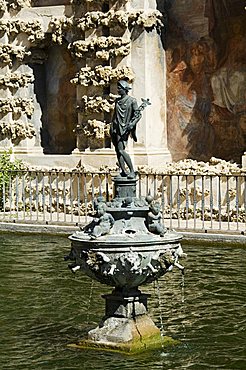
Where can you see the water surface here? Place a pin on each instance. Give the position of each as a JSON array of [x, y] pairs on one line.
[[43, 307]]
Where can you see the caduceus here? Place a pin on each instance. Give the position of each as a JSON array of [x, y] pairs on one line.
[[137, 116]]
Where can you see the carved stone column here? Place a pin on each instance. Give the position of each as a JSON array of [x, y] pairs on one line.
[[149, 65]]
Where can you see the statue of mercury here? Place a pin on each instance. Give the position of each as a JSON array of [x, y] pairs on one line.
[[125, 118]]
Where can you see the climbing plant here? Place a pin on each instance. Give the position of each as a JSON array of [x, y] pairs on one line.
[[9, 168]]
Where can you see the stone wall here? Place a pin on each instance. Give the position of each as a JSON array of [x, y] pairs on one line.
[[207, 79], [37, 101], [69, 57], [60, 62]]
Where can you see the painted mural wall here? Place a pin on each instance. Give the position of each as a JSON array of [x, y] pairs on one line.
[[206, 57]]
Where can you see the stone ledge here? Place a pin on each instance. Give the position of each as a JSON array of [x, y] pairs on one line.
[[29, 228], [66, 230], [214, 237]]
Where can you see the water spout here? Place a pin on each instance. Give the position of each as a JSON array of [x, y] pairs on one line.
[[75, 268], [178, 265]]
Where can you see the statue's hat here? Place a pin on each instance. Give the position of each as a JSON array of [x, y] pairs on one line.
[[124, 84]]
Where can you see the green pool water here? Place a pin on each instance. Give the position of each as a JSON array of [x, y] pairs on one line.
[[44, 307]]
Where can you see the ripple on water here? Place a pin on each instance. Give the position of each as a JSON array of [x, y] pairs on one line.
[[44, 307]]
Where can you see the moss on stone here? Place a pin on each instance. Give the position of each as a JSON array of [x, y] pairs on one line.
[[134, 346]]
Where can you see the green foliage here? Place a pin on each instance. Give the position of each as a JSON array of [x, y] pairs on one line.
[[9, 168], [9, 164]]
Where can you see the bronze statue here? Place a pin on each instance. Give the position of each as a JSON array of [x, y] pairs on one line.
[[154, 223], [101, 224], [125, 118], [104, 223]]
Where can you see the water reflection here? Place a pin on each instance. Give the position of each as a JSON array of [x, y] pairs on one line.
[[43, 307]]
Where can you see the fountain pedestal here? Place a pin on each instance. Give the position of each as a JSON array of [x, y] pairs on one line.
[[125, 256], [128, 306], [126, 320], [124, 187]]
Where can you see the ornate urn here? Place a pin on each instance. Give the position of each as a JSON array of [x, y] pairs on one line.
[[125, 246]]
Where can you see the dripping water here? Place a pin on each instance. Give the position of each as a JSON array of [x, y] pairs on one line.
[[182, 308], [89, 301], [182, 285], [158, 293]]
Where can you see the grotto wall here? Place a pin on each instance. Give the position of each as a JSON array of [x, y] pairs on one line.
[[65, 59], [61, 59], [31, 119]]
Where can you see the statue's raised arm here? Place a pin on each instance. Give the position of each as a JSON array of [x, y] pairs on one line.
[[126, 116]]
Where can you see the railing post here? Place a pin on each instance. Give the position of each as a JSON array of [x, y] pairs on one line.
[[36, 195], [219, 201], [211, 202], [194, 202], [203, 203]]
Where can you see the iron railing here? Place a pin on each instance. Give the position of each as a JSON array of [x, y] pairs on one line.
[[188, 202]]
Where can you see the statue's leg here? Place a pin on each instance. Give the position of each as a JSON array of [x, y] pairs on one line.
[[121, 162], [116, 140], [122, 165], [127, 159]]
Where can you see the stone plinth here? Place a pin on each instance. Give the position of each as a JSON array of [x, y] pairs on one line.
[[124, 187], [125, 320], [126, 335], [126, 326], [124, 330]]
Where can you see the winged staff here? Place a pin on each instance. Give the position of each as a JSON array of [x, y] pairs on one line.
[[137, 116]]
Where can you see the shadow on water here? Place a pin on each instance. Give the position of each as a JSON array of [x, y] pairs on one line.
[[43, 307]]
